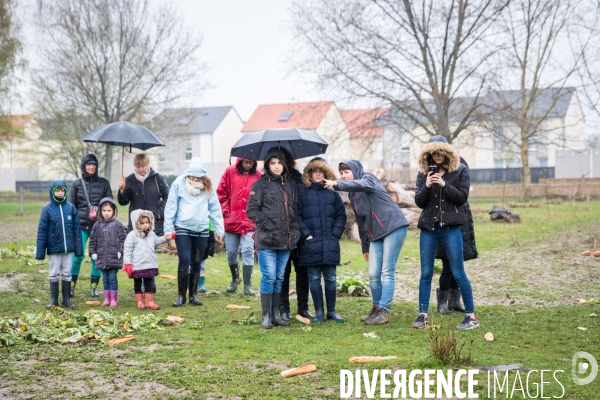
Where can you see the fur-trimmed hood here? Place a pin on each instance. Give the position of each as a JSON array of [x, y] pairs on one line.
[[452, 158], [136, 216], [317, 165]]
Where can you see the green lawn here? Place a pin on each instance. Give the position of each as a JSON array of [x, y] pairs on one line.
[[208, 356]]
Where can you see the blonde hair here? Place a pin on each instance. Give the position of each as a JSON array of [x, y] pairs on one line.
[[141, 159], [207, 185]]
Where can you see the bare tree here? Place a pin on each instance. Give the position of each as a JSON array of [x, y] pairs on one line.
[[547, 48], [428, 60], [10, 49], [106, 58]]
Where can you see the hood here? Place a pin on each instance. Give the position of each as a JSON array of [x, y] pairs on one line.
[[196, 168], [84, 160], [317, 164], [53, 185], [275, 152], [240, 167], [356, 168], [111, 201], [136, 216], [424, 158]]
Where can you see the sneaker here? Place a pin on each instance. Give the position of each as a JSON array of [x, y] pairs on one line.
[[380, 318], [468, 323], [421, 322], [371, 314]]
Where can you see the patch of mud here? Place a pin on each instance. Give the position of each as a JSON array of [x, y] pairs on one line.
[[259, 366], [15, 231], [7, 280]]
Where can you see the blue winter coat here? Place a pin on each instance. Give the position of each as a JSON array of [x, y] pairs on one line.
[[58, 229], [321, 213]]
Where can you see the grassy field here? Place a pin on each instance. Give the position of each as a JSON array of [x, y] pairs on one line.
[[526, 285]]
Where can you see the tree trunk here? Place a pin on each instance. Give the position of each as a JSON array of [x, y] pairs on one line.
[[525, 163], [108, 161]]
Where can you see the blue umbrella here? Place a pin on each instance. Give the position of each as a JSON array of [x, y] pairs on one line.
[[299, 142]]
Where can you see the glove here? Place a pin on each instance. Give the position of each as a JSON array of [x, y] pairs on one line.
[[170, 236], [94, 257], [128, 269], [118, 255]]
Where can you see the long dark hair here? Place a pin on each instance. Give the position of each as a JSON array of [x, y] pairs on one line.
[[241, 170]]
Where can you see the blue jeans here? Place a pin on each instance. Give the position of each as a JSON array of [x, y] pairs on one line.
[[190, 250], [109, 279], [452, 239], [272, 267], [383, 255], [232, 244], [314, 276]]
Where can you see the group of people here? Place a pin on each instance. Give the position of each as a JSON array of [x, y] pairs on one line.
[[289, 217]]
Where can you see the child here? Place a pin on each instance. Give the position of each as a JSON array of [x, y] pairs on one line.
[[210, 251], [322, 219], [140, 256], [59, 236], [106, 248]]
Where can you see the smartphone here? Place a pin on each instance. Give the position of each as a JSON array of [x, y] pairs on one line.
[[433, 168]]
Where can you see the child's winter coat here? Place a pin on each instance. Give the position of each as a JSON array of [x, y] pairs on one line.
[[140, 250], [107, 240], [58, 229]]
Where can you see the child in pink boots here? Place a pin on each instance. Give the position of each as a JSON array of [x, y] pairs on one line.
[[140, 257]]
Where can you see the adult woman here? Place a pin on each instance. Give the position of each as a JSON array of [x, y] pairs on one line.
[[322, 219], [87, 192], [273, 208], [192, 202], [442, 188], [145, 189], [382, 228], [234, 188]]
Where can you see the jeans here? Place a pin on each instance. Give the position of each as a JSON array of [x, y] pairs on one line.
[[383, 255], [109, 279], [75, 268], [190, 250], [272, 267], [232, 244], [452, 239], [329, 276]]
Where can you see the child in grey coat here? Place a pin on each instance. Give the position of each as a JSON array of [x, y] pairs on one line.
[[140, 256]]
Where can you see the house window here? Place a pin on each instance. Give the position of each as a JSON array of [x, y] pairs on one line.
[[161, 156], [543, 162], [188, 151], [532, 144], [498, 164], [405, 142], [498, 142]]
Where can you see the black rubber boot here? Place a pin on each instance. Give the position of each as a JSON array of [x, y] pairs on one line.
[[442, 299], [284, 299], [94, 280], [238, 277], [265, 301], [454, 303], [317, 296], [66, 294], [248, 280], [194, 278], [302, 288], [73, 284], [235, 270], [275, 311], [182, 286], [53, 295], [330, 297]]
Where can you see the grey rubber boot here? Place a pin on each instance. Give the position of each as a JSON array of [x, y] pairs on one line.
[[442, 299], [454, 303], [235, 270], [248, 280], [53, 295], [275, 311], [265, 301]]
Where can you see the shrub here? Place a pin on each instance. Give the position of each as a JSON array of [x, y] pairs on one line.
[[443, 344], [353, 286]]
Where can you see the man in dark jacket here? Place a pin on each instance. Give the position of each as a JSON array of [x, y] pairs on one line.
[[59, 236], [85, 192]]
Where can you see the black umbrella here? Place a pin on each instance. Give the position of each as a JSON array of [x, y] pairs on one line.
[[123, 134], [300, 143]]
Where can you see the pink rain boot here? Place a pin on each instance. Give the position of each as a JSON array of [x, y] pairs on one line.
[[107, 296], [113, 299]]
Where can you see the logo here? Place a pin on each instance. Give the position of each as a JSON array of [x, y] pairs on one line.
[[580, 368], [69, 217]]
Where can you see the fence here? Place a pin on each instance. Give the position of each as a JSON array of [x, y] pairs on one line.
[[489, 175], [36, 186]]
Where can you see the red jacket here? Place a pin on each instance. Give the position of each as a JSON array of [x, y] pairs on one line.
[[233, 192]]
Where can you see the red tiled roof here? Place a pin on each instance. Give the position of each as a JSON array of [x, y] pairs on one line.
[[304, 116], [360, 123], [17, 123]]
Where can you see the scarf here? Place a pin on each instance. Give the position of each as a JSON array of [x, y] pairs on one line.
[[141, 178], [146, 233], [193, 188]]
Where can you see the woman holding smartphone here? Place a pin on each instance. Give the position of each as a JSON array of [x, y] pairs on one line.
[[442, 188]]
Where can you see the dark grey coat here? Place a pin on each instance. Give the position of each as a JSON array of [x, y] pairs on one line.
[[108, 239]]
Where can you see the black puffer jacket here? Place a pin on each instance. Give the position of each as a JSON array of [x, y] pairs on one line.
[[97, 189], [273, 206], [108, 239], [448, 199], [150, 195]]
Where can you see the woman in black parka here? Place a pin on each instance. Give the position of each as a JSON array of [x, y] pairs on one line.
[[322, 219], [97, 188]]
